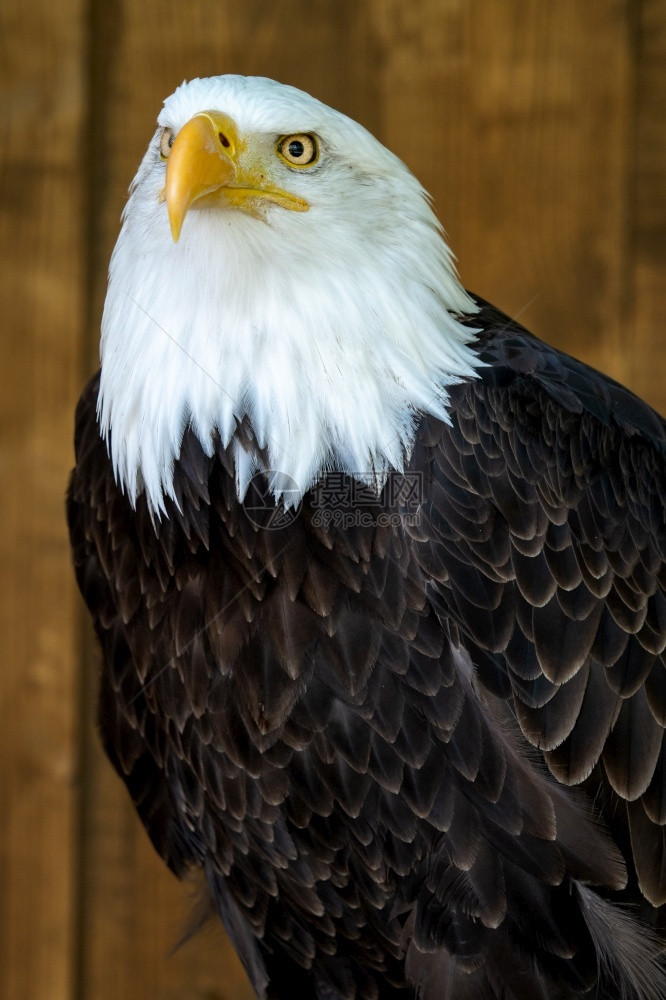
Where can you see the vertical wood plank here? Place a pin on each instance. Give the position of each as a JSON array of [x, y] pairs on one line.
[[646, 342], [41, 283], [515, 117]]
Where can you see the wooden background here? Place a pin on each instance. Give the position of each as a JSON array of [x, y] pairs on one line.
[[539, 127]]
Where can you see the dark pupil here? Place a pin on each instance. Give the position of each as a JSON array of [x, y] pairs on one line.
[[296, 149]]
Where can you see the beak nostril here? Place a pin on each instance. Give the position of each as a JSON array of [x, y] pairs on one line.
[[223, 139]]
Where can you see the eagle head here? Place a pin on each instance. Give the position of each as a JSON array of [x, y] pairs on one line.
[[276, 264]]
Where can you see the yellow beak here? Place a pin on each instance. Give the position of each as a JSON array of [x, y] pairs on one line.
[[208, 160]]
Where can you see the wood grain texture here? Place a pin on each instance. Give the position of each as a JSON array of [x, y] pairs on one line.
[[41, 286], [646, 345], [539, 130], [515, 116]]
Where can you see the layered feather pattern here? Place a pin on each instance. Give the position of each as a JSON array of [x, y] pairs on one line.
[[368, 738]]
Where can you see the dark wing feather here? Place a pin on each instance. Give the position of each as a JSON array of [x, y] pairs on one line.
[[328, 722], [122, 705], [562, 589]]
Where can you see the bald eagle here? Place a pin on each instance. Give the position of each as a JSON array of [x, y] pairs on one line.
[[378, 579]]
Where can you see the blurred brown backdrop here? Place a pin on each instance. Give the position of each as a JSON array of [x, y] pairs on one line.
[[539, 128]]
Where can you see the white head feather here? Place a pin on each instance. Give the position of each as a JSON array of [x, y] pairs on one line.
[[331, 329]]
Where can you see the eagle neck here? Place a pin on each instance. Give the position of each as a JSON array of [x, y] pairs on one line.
[[330, 362]]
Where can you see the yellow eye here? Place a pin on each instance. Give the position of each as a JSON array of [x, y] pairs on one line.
[[300, 150], [166, 142]]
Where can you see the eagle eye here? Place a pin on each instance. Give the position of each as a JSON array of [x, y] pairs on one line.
[[301, 150], [166, 142]]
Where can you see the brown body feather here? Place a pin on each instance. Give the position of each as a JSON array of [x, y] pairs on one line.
[[365, 736]]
